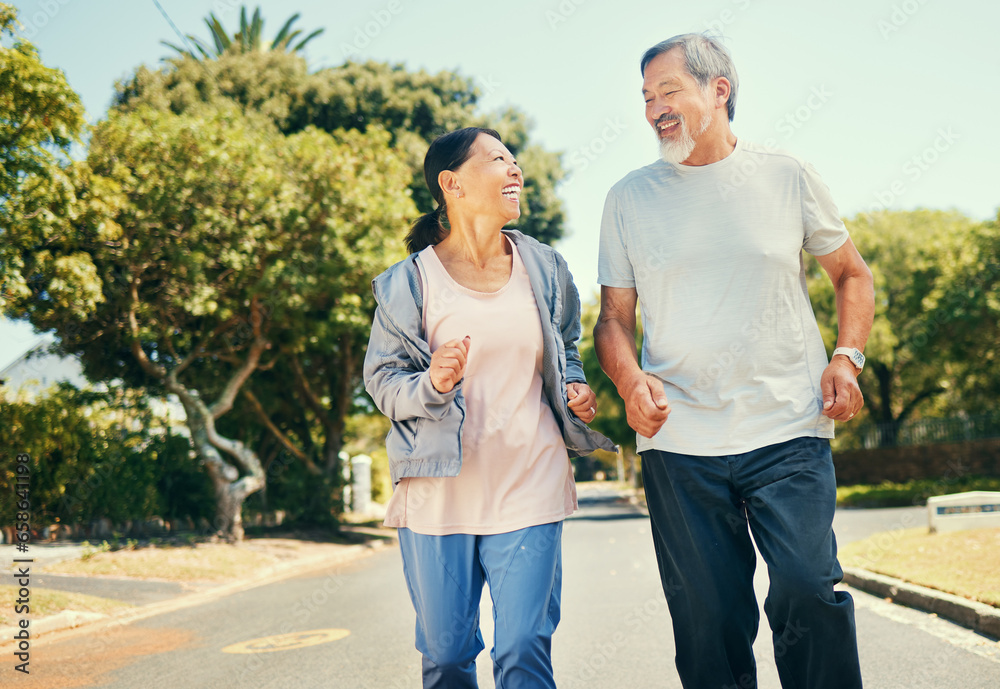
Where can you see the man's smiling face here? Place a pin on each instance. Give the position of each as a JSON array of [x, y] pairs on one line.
[[677, 108]]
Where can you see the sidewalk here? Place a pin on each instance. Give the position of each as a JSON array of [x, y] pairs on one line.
[[153, 597]]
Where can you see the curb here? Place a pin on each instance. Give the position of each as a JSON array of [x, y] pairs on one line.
[[979, 617], [66, 622]]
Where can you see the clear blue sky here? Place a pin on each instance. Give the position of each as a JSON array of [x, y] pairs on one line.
[[894, 102]]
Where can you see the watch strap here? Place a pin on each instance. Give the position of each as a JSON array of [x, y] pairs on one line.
[[855, 355]]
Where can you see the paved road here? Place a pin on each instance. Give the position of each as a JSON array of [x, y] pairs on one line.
[[615, 631]]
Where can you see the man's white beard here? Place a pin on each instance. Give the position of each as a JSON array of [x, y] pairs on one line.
[[678, 150]]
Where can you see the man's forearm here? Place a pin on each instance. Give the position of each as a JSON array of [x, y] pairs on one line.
[[616, 351], [855, 310]]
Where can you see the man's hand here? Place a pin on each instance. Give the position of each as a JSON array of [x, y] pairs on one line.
[[646, 405], [842, 397], [448, 364], [582, 401]]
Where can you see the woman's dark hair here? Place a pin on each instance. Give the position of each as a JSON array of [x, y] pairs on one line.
[[447, 152]]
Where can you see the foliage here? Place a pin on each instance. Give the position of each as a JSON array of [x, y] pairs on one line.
[[203, 235], [248, 39], [98, 454], [917, 258], [611, 419], [40, 117], [413, 106], [295, 411], [909, 493], [968, 311]]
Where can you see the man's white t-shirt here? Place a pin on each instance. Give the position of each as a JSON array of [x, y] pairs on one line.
[[715, 255]]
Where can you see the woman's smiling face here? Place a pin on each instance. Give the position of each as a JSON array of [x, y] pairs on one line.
[[490, 180]]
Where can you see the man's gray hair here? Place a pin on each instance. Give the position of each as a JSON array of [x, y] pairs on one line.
[[706, 59]]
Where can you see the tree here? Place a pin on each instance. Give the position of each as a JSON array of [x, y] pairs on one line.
[[295, 411], [248, 39], [914, 256], [413, 106], [40, 117], [208, 242], [967, 310]]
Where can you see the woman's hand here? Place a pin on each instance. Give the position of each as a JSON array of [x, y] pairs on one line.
[[582, 401], [448, 364]]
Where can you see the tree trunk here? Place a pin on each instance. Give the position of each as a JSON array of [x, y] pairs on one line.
[[228, 512], [230, 488]]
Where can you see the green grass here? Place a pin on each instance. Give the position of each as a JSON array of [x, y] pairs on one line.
[[916, 492], [964, 563], [49, 602]]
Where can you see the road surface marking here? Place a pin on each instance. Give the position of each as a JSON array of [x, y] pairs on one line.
[[286, 642]]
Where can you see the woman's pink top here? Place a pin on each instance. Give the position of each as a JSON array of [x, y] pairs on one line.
[[515, 469]]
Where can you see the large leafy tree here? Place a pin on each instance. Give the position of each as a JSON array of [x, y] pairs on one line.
[[296, 409], [40, 117], [211, 246], [413, 106], [250, 38], [917, 258]]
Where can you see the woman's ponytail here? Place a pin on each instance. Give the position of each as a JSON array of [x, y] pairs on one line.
[[427, 230]]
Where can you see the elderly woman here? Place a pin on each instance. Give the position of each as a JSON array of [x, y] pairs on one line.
[[473, 357]]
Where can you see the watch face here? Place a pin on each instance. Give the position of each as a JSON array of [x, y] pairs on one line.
[[859, 358]]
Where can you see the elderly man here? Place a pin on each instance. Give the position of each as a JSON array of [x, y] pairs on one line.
[[735, 401]]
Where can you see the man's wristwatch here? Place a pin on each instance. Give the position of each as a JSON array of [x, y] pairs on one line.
[[856, 357]]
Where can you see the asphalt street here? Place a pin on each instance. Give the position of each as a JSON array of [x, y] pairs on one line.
[[615, 631]]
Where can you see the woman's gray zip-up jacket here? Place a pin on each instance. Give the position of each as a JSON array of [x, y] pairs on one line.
[[426, 434]]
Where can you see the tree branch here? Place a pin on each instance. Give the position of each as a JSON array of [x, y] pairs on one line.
[[924, 394], [225, 401], [199, 349], [279, 434], [148, 366], [303, 384], [244, 456]]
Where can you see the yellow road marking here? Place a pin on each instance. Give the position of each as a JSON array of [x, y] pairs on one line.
[[286, 642]]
